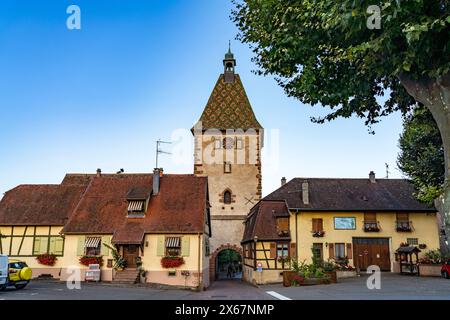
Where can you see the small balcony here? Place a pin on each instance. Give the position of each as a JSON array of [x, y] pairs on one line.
[[318, 234], [404, 226], [371, 226]]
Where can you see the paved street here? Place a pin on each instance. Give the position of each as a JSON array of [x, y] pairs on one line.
[[392, 287]]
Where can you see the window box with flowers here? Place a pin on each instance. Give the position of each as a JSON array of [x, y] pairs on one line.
[[47, 259], [318, 234], [87, 260], [171, 262]]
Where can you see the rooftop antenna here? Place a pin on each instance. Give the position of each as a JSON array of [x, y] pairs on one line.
[[387, 170], [159, 151]]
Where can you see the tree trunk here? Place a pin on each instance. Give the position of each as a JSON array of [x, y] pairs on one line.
[[435, 95]]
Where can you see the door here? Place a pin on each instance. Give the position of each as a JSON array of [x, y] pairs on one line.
[[130, 254], [372, 251]]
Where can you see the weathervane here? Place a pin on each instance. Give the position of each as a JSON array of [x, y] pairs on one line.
[[159, 151], [387, 171]]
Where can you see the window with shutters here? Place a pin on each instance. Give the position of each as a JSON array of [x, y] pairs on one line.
[[370, 222], [48, 244], [317, 228], [93, 246], [403, 224], [317, 250], [282, 250], [283, 226], [173, 246], [339, 251]]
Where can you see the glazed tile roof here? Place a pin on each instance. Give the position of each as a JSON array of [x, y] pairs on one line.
[[229, 108], [329, 194], [261, 221]]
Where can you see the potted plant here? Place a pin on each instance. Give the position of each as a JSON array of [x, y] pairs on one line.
[[119, 261], [318, 234], [329, 269], [47, 259], [431, 264], [170, 262]]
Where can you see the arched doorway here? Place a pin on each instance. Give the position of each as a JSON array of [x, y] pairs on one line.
[[226, 263]]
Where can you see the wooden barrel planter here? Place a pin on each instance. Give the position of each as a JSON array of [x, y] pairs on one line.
[[332, 275], [287, 278]]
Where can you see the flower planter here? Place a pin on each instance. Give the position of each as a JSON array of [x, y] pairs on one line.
[[332, 275], [172, 262], [430, 270], [315, 281], [87, 260], [287, 278], [47, 259]]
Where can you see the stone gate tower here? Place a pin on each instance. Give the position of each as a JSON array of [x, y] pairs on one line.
[[228, 142]]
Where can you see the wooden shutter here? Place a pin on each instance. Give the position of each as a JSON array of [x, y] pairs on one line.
[[104, 249], [52, 245], [273, 250], [59, 246], [370, 217], [44, 245], [37, 246], [160, 246], [349, 251], [283, 224], [331, 250], [293, 250], [402, 216], [185, 246], [80, 246], [317, 225]]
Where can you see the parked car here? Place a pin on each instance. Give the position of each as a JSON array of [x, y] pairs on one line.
[[3, 271], [18, 274], [445, 271]]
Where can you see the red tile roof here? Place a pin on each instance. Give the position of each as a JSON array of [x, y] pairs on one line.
[[40, 204], [261, 221], [179, 207]]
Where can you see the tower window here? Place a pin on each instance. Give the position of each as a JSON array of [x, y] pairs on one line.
[[227, 197], [227, 167], [239, 143], [229, 67], [228, 143]]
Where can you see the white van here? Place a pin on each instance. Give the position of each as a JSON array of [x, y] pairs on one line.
[[3, 271]]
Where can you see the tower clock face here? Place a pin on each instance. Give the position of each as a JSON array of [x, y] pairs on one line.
[[228, 143]]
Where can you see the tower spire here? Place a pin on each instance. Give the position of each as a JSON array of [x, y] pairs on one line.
[[229, 64]]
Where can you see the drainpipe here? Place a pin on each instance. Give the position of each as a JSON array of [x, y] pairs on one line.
[[200, 278], [296, 233]]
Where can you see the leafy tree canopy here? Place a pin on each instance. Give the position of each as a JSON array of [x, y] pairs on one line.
[[422, 154], [323, 51]]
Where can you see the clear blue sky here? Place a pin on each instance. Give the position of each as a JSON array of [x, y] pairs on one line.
[[99, 97]]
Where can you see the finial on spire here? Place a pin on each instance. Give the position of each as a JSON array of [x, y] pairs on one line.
[[229, 46]]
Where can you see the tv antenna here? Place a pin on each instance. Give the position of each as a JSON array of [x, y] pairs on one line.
[[159, 151], [387, 170]]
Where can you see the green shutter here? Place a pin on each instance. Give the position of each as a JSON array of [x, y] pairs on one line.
[[52, 245], [80, 246], [160, 246], [37, 246], [59, 246], [105, 249], [44, 245], [185, 246]]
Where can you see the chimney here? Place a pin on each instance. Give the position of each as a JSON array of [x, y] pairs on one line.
[[372, 177], [156, 177], [99, 173], [283, 181], [305, 192]]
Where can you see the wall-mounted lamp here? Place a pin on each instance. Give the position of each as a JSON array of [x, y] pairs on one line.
[[146, 243], [326, 244], [255, 238]]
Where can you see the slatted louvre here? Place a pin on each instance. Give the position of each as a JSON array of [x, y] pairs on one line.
[[331, 250], [349, 251], [317, 225], [293, 250], [80, 246], [370, 217], [273, 250], [185, 246]]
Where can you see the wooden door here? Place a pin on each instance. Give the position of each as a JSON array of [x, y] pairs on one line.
[[372, 251], [130, 254]]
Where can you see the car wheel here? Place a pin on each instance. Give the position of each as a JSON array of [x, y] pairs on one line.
[[445, 275], [2, 288], [20, 286]]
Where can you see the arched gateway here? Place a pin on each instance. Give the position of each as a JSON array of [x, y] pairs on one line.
[[214, 263]]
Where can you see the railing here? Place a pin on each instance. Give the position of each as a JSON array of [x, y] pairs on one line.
[[404, 226], [371, 226]]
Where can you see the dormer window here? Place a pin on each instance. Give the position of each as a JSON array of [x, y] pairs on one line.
[[136, 207]]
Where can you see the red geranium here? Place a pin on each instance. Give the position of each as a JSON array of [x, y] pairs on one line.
[[87, 260], [172, 262], [47, 259]]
